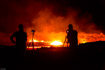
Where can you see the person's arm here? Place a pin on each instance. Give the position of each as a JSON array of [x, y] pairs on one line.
[[11, 38]]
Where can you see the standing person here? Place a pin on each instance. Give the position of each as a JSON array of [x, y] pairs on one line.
[[72, 36], [21, 38]]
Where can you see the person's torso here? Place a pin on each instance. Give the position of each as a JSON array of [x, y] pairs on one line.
[[21, 38], [72, 36]]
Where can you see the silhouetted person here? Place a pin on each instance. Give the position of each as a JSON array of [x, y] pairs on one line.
[[21, 38], [72, 36]]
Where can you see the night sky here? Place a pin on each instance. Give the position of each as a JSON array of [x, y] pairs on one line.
[[14, 12]]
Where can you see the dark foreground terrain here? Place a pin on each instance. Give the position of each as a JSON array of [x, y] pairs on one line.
[[89, 56]]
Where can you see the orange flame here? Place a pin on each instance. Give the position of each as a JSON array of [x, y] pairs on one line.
[[51, 28], [36, 40], [89, 37], [82, 38], [56, 43]]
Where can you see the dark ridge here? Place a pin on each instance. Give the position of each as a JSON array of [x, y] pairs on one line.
[[88, 56]]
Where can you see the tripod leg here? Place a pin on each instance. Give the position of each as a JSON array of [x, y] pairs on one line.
[[64, 42]]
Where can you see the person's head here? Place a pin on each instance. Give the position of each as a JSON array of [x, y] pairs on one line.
[[70, 26], [20, 27]]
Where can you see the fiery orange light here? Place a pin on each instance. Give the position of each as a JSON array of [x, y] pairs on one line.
[[56, 43], [50, 27], [33, 40], [89, 37], [36, 40], [83, 40], [35, 47], [42, 41]]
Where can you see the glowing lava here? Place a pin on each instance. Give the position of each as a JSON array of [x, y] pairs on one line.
[[56, 43], [36, 40], [89, 37], [83, 41]]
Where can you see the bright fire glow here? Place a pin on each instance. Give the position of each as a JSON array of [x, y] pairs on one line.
[[56, 43], [35, 47], [36, 40], [89, 37], [82, 38], [50, 27]]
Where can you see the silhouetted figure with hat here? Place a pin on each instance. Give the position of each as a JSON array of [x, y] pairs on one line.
[[72, 36], [21, 38]]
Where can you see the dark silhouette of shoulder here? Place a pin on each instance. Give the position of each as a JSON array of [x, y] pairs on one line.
[[20, 36]]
